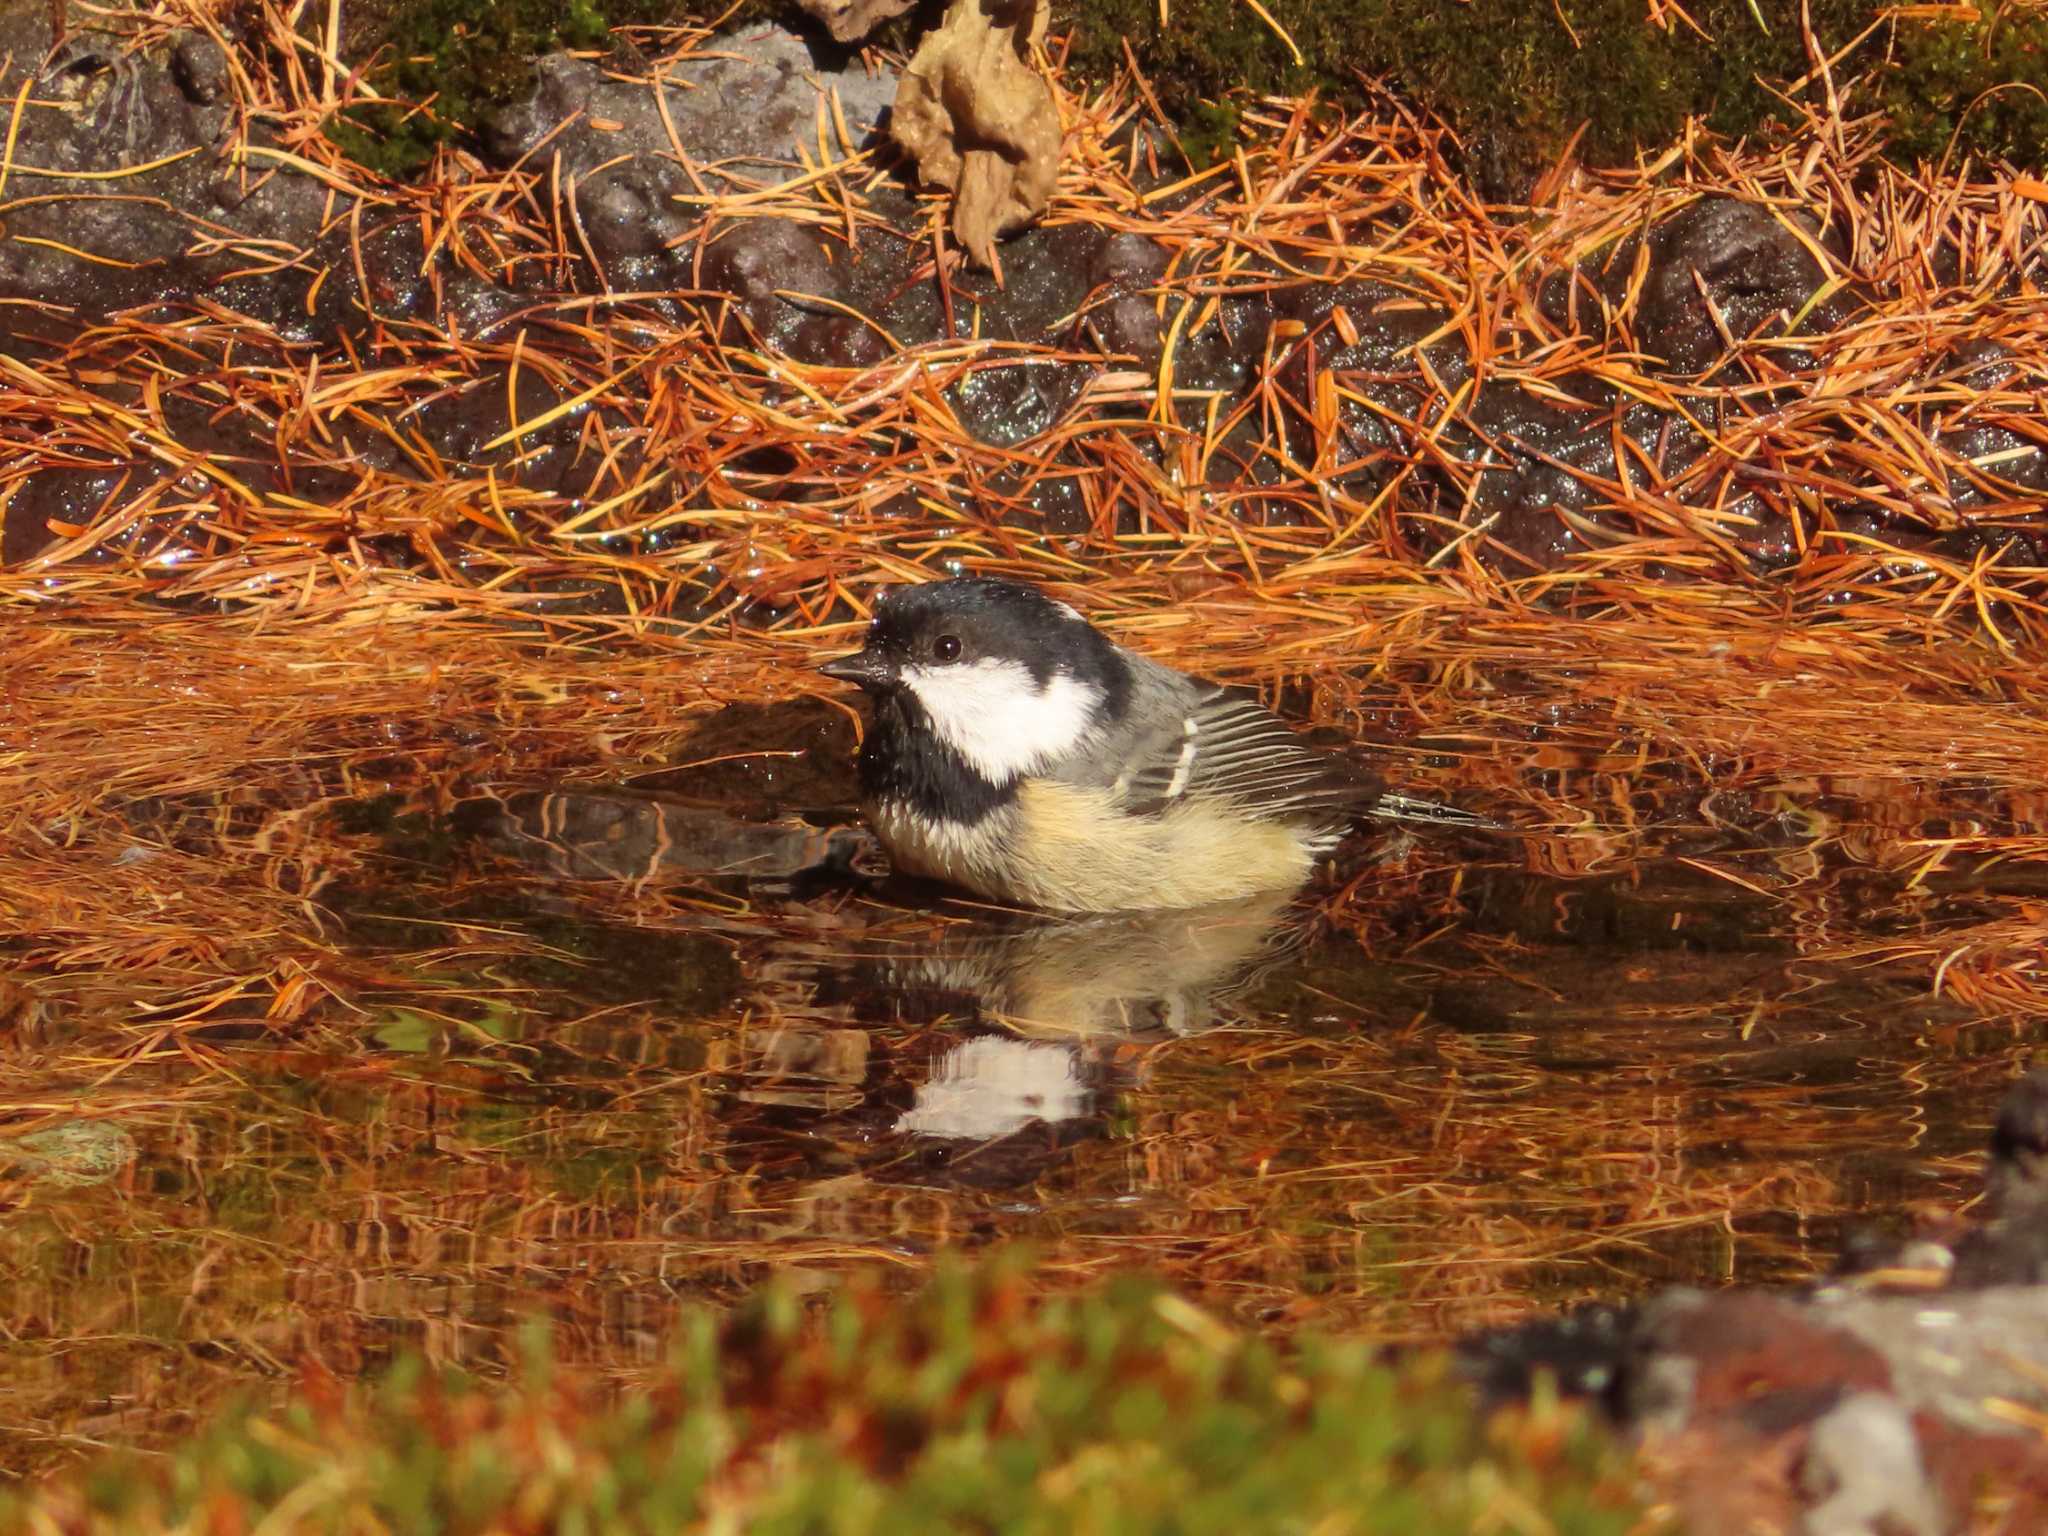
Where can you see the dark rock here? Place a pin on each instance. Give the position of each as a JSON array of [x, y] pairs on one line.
[[742, 111], [561, 90], [627, 214], [1011, 405], [837, 341], [73, 497], [1754, 271], [1128, 261], [1524, 478], [758, 257], [771, 266], [107, 108], [200, 67], [1125, 319], [1046, 279], [1130, 326], [752, 97], [1061, 504]]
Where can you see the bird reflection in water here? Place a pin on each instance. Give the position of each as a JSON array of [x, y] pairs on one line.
[[1061, 989], [960, 1041], [1035, 1016]]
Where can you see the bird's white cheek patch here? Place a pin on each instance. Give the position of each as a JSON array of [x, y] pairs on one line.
[[993, 714]]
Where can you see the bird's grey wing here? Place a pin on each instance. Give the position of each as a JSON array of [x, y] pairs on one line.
[[1226, 745]]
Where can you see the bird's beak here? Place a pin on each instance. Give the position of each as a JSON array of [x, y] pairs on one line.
[[867, 669]]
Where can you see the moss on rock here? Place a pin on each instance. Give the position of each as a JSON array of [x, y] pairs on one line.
[[465, 57], [1517, 80]]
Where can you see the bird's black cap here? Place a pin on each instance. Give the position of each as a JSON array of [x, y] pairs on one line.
[[971, 619]]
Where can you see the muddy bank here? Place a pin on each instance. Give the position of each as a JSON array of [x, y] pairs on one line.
[[1315, 387]]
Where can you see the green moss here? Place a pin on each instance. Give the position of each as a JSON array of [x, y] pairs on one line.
[[1516, 83], [1515, 80], [1208, 129], [460, 58], [386, 139], [1972, 88]]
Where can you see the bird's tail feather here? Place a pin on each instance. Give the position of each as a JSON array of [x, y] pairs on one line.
[[1432, 813]]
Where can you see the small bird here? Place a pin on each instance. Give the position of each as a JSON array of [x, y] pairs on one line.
[[1018, 752]]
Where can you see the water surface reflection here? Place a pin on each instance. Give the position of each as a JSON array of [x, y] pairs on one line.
[[597, 1052]]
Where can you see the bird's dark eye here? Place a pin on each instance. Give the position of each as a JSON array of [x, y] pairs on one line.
[[946, 648]]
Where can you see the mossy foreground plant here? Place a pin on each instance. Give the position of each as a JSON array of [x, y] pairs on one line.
[[969, 1407]]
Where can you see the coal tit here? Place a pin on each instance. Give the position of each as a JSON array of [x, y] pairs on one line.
[[1018, 752]]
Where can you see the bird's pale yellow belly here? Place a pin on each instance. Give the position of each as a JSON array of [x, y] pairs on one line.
[[1071, 849]]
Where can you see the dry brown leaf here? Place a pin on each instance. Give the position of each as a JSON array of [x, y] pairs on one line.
[[851, 20], [980, 120]]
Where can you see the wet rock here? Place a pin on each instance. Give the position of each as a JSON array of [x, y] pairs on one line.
[[1550, 468], [753, 97], [1129, 326], [460, 422], [472, 307], [1125, 320], [618, 835], [1046, 274], [1060, 504], [627, 213], [760, 258], [200, 67], [1051, 277], [1364, 336], [1008, 406], [50, 500], [1129, 261], [737, 116], [561, 90], [100, 108], [838, 341], [1524, 477], [1720, 256], [774, 267], [2003, 470]]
